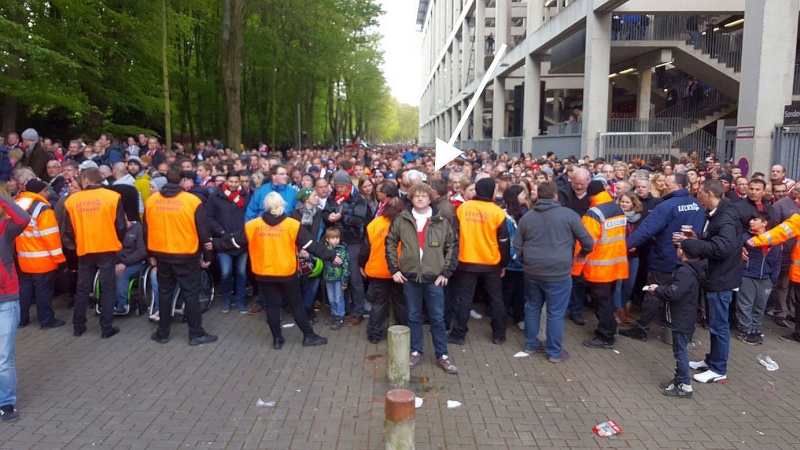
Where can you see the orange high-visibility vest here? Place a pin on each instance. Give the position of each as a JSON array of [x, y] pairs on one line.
[[608, 261], [788, 229], [39, 246], [376, 266], [272, 249], [93, 213], [478, 222], [171, 226]]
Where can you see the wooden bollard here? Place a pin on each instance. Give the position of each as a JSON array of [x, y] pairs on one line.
[[398, 356], [399, 424]]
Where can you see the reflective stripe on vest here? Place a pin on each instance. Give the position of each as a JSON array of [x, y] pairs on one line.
[[609, 259], [272, 249], [38, 251]]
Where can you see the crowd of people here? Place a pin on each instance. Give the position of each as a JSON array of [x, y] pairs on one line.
[[347, 234]]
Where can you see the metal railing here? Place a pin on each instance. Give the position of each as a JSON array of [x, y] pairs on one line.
[[564, 128], [696, 108], [628, 145], [713, 41], [512, 146], [480, 145], [684, 134]]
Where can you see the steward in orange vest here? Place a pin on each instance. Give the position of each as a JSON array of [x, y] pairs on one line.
[[38, 255], [96, 223], [608, 261], [382, 289], [177, 231], [483, 253], [274, 241]]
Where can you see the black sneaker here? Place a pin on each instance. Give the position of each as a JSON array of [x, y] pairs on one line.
[[498, 340], [454, 340], [78, 331], [666, 384], [203, 339], [8, 413], [578, 319], [314, 340], [277, 343], [598, 343], [120, 310], [678, 391], [55, 323], [634, 333], [110, 332], [791, 337], [159, 339], [338, 323], [753, 339], [373, 339]]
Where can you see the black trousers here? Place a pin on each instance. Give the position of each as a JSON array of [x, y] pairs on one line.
[[651, 306], [37, 288], [466, 289], [274, 294], [514, 295], [381, 293], [602, 294], [188, 277], [88, 265]]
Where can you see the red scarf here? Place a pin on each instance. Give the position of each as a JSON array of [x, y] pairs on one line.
[[233, 196], [341, 198]]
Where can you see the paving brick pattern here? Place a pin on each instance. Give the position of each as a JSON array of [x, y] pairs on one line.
[[129, 392]]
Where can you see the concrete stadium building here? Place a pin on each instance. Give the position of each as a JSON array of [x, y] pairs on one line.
[[612, 77]]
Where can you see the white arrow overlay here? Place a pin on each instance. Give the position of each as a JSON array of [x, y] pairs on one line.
[[445, 152]]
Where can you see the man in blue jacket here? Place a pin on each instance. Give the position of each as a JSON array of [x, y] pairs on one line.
[[678, 208], [279, 184]]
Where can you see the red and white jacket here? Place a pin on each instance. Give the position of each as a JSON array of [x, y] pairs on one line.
[[10, 227]]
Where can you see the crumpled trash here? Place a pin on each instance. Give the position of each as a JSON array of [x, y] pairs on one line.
[[288, 325], [418, 402], [262, 404], [453, 404], [521, 354], [768, 362], [606, 429]]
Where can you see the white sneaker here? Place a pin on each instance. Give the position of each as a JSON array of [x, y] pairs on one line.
[[709, 376], [154, 317], [521, 325], [698, 365], [474, 314]]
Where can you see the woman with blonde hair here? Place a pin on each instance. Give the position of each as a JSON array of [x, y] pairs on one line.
[[274, 241], [632, 207], [657, 185]]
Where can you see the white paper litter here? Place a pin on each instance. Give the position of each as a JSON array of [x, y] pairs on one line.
[[453, 404], [262, 404], [288, 325], [520, 354], [417, 402]]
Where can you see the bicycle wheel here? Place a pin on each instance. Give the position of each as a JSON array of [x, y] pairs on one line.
[[206, 290]]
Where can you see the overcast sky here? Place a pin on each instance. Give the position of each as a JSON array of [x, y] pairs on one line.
[[402, 49]]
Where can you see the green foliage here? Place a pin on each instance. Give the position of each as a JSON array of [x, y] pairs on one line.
[[97, 63]]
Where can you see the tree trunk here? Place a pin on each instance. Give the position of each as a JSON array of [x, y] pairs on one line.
[[165, 69], [232, 57]]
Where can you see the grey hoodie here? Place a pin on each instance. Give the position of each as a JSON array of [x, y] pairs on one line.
[[545, 241]]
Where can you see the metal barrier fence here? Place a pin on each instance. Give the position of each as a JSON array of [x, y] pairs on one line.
[[480, 145], [512, 146], [684, 133], [629, 145], [786, 149]]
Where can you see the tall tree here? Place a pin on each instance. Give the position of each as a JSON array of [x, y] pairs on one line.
[[232, 61]]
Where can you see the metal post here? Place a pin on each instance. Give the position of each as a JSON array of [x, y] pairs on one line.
[[399, 426]]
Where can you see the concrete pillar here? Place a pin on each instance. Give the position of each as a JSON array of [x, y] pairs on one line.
[[535, 16], [399, 426], [480, 37], [502, 22], [465, 129], [499, 110], [766, 81], [477, 117], [557, 105], [595, 84], [466, 49], [532, 101], [447, 124], [645, 91]]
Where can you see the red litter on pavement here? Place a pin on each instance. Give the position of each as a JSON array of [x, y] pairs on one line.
[[605, 429]]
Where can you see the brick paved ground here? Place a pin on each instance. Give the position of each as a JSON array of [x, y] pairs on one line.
[[129, 392]]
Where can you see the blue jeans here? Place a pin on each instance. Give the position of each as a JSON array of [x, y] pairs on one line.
[[434, 299], [123, 281], [718, 306], [309, 286], [680, 349], [557, 296], [622, 294], [9, 319], [578, 296], [336, 297], [226, 266]]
